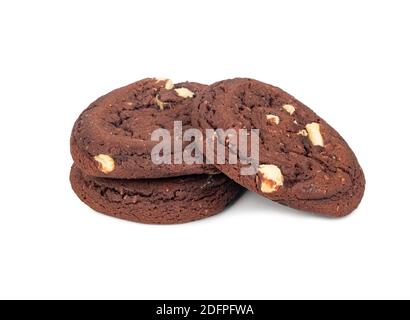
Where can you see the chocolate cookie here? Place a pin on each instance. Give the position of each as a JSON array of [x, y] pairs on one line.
[[112, 137], [304, 163], [156, 201]]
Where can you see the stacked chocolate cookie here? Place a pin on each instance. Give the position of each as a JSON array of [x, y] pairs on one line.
[[303, 162]]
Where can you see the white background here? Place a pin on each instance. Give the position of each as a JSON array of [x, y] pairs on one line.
[[348, 60]]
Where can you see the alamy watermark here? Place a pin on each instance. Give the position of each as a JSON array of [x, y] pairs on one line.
[[193, 146]]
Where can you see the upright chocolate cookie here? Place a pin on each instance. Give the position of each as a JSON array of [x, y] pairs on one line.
[[156, 201], [112, 137], [304, 162]]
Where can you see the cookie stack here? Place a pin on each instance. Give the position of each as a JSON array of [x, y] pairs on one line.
[[303, 162], [114, 172]]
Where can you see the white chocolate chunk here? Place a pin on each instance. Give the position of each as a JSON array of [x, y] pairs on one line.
[[315, 136], [169, 85], [289, 108], [159, 103], [185, 93], [106, 164], [272, 119], [271, 178]]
